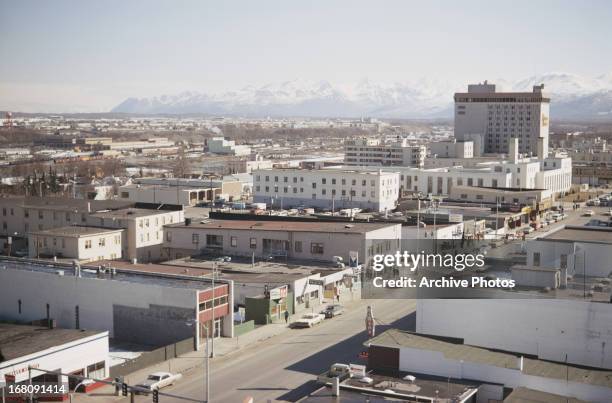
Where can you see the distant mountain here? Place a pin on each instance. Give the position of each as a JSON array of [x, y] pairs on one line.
[[573, 97]]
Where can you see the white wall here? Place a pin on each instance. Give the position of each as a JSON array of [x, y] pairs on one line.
[[68, 358], [547, 328], [95, 298]]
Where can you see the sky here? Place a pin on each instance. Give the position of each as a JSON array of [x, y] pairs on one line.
[[78, 56]]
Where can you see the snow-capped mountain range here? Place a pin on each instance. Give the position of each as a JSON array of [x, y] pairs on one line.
[[573, 96]]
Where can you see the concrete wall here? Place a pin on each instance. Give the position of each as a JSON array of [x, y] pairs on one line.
[[546, 328], [96, 299]]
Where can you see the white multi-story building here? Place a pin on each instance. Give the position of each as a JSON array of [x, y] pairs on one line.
[[552, 173], [142, 222], [366, 151], [219, 145], [86, 244], [491, 118], [451, 149], [327, 188]]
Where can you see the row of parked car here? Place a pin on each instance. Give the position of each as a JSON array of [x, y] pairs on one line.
[[313, 319]]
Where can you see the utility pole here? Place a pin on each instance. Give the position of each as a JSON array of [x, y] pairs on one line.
[[214, 326]]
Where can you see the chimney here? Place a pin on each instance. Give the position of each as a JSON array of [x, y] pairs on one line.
[[513, 148]]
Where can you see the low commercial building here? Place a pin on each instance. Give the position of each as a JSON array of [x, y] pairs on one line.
[[299, 240], [85, 244], [536, 198], [568, 329], [133, 306], [267, 288], [327, 188], [396, 351], [69, 351], [166, 194], [219, 145]]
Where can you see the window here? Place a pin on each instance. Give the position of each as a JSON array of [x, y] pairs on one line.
[[195, 238], [125, 195], [563, 261], [253, 243], [316, 248], [26, 213], [40, 215], [536, 259], [298, 246], [233, 241], [96, 370], [102, 242], [323, 181], [88, 244], [214, 241], [168, 236]]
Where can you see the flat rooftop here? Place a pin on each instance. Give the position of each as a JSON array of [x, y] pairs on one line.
[[581, 234], [204, 270], [128, 213], [526, 395], [427, 388], [290, 226], [65, 203], [173, 280], [395, 338], [76, 231], [21, 340]]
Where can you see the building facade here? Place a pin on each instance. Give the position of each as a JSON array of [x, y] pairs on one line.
[[326, 188], [366, 151], [492, 118]]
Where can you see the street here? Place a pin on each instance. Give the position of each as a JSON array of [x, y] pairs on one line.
[[284, 367]]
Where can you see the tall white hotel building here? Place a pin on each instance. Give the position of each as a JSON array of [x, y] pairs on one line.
[[491, 118]]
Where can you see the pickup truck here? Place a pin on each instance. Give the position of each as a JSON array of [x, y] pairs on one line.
[[341, 371]]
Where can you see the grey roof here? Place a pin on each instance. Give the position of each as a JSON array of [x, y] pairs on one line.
[[581, 234], [526, 395], [396, 339], [20, 340], [64, 203], [291, 226]]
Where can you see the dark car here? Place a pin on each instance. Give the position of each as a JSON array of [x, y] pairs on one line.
[[333, 310]]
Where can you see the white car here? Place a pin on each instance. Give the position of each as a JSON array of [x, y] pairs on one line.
[[608, 212], [158, 380], [589, 213], [309, 320]]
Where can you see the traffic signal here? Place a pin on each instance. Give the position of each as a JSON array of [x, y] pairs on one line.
[[124, 389], [155, 396]]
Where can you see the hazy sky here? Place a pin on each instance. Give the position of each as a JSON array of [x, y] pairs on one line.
[[90, 55]]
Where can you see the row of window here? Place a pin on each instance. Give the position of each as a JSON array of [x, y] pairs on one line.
[[216, 241]]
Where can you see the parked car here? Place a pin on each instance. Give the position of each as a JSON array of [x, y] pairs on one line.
[[309, 320], [608, 212], [589, 213], [158, 380], [333, 310], [528, 230]]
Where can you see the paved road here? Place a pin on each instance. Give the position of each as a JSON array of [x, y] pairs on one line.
[[283, 368]]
